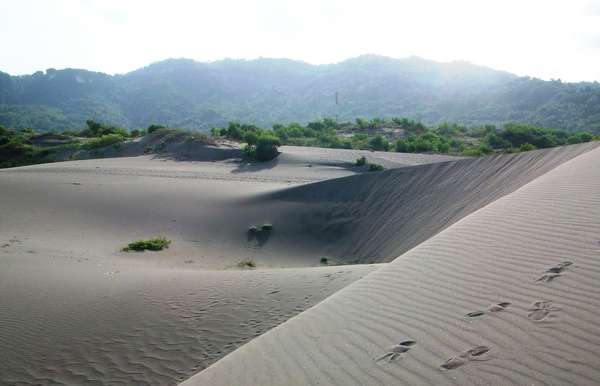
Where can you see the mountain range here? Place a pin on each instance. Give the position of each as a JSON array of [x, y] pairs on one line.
[[189, 94]]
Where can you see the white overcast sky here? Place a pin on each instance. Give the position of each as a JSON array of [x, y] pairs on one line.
[[545, 39]]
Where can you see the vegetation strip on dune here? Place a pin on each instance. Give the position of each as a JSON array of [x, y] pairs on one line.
[[24, 147]]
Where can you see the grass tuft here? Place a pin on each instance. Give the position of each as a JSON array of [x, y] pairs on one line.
[[155, 244], [376, 168], [247, 263]]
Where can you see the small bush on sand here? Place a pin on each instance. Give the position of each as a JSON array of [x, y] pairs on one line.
[[324, 261], [266, 227], [526, 147], [264, 149], [376, 168], [103, 141], [361, 161], [247, 263], [155, 244]]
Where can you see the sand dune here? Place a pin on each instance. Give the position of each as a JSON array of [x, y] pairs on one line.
[[74, 309], [376, 217], [533, 314], [472, 236], [92, 208]]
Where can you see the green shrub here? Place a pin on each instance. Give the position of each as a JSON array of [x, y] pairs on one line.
[[376, 168], [155, 244], [526, 147], [95, 129], [152, 128], [324, 261], [518, 134], [496, 142], [216, 132], [379, 143], [251, 138], [361, 161], [478, 151], [266, 227], [265, 148], [246, 263], [105, 140], [580, 137]]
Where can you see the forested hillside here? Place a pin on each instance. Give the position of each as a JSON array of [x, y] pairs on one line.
[[188, 94]]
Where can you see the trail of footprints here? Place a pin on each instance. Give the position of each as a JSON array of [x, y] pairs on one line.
[[539, 311], [554, 272]]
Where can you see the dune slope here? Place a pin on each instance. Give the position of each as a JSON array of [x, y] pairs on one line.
[[375, 217], [507, 295]]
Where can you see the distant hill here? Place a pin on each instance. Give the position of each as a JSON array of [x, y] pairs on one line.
[[189, 94]]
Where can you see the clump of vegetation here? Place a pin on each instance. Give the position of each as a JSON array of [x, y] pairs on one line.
[[526, 147], [95, 129], [362, 161], [103, 141], [406, 136], [152, 128], [25, 146], [379, 142], [247, 263], [261, 145], [155, 244], [262, 148], [324, 261], [376, 168]]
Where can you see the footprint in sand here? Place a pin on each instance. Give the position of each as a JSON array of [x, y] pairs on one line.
[[493, 308], [395, 352], [540, 310], [475, 314], [474, 354], [554, 272], [498, 307]]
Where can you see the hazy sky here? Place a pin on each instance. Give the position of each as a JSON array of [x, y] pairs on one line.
[[546, 39]]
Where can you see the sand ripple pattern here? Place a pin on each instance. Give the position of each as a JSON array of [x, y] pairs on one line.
[[489, 256], [154, 327]]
